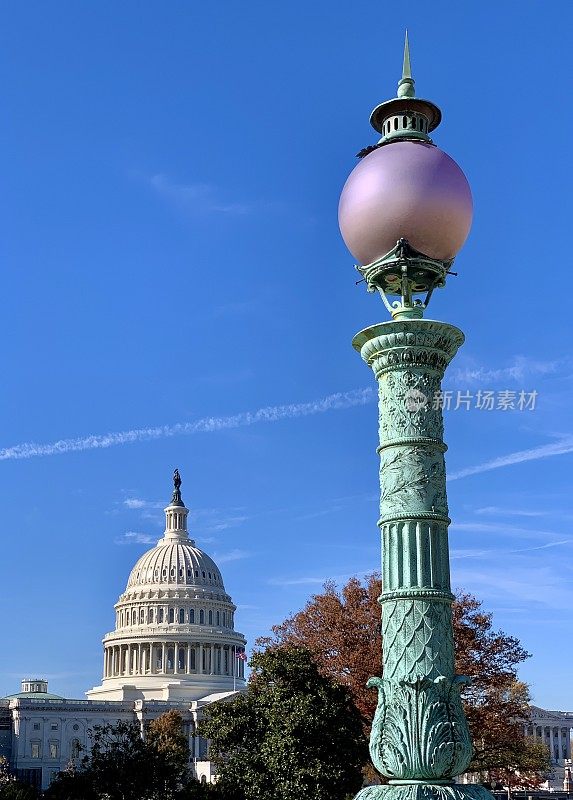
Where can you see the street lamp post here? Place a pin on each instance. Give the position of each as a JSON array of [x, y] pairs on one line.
[[405, 211]]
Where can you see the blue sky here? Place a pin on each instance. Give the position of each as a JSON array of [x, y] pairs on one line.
[[170, 259]]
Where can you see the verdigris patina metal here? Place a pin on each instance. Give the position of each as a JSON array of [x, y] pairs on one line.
[[420, 738]]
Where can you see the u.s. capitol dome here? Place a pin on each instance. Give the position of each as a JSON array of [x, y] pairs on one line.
[[174, 634]]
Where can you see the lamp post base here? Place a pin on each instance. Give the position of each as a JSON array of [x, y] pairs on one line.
[[425, 791]]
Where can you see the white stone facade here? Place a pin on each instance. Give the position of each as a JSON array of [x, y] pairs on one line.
[[41, 737], [553, 729]]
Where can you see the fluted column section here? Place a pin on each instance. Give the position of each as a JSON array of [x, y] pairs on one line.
[[419, 735]]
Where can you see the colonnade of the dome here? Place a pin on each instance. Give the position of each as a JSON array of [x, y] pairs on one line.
[[172, 658]]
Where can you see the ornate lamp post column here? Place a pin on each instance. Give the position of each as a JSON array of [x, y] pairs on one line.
[[405, 211]]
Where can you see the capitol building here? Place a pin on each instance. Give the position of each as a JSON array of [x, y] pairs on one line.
[[174, 646]]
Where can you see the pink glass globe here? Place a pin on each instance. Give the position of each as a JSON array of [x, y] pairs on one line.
[[405, 189]]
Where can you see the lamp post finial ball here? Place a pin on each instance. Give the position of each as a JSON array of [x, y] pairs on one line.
[[405, 190]]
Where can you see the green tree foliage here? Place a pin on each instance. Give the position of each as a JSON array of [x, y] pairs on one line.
[[294, 733], [10, 787]]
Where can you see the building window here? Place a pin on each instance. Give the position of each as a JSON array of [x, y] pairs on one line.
[[160, 615], [201, 617], [36, 726], [150, 615], [170, 658], [210, 617], [75, 747], [171, 615], [75, 726], [218, 617], [53, 750], [181, 659], [54, 726], [35, 750], [181, 615], [192, 616], [192, 658]]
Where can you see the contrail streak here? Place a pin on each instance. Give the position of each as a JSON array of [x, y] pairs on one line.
[[558, 448], [332, 402]]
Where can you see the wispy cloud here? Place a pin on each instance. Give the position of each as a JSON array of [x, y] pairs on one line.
[[137, 503], [317, 580], [231, 555], [208, 520], [557, 448], [496, 553], [532, 585], [136, 537], [332, 402], [196, 198], [509, 512], [497, 528], [520, 369]]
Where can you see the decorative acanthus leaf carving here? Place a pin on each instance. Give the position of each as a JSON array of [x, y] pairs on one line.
[[419, 729]]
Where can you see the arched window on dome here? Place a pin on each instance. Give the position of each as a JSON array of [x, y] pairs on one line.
[[192, 616], [224, 619], [134, 617], [172, 573], [150, 614], [160, 615], [201, 617], [210, 617], [188, 573], [180, 572], [218, 618], [196, 573], [181, 616], [171, 615], [141, 616], [203, 573]]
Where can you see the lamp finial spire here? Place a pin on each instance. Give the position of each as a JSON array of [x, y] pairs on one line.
[[406, 87]]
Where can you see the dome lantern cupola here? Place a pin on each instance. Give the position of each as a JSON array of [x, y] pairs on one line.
[[406, 209], [176, 515]]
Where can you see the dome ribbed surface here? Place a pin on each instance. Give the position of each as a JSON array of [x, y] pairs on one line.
[[175, 564]]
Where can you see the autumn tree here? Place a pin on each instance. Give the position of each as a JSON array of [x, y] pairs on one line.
[[293, 733], [342, 630], [166, 738]]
